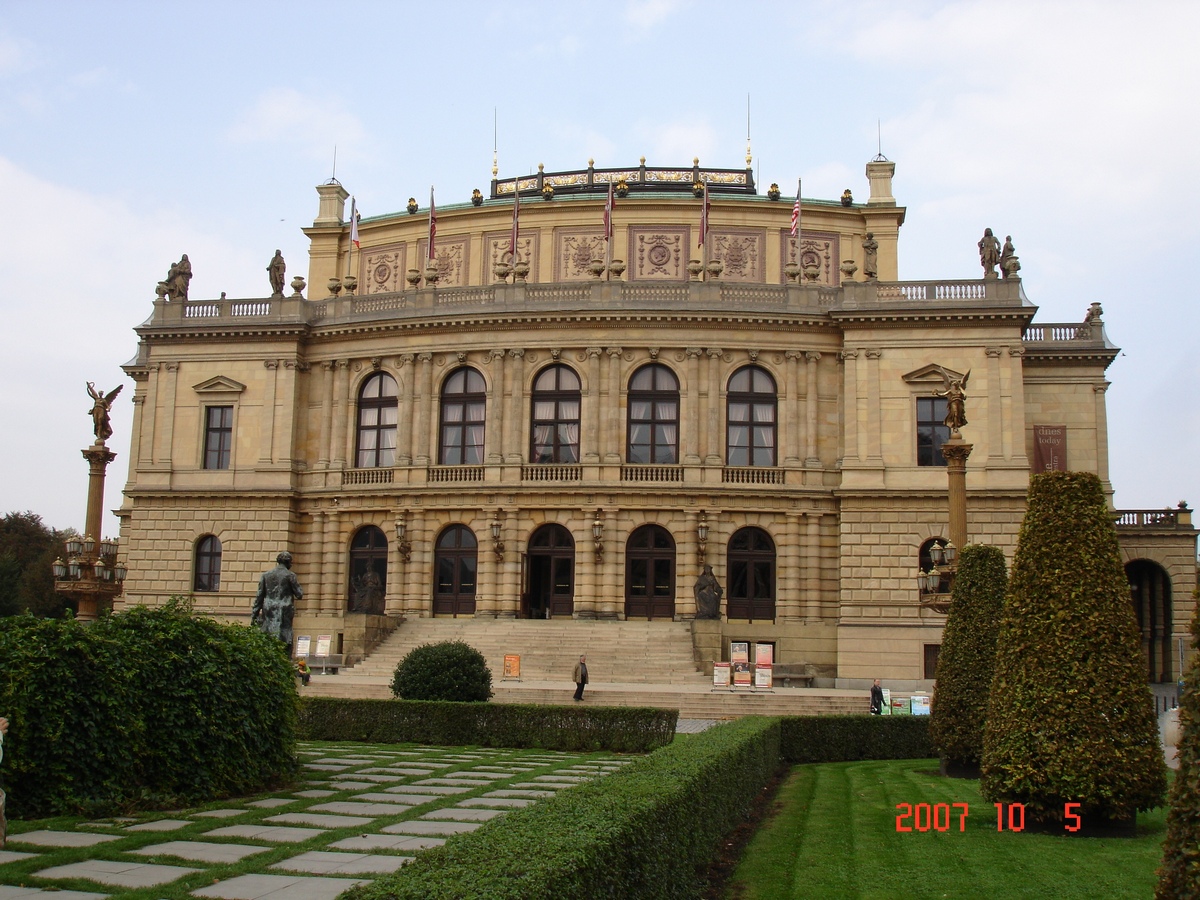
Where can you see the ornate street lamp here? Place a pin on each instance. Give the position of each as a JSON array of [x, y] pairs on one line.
[[702, 535], [497, 544], [598, 535], [403, 547]]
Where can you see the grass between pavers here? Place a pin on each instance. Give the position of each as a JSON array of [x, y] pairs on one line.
[[832, 834], [24, 872]]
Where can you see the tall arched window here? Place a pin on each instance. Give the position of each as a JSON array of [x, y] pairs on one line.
[[463, 404], [455, 560], [368, 571], [653, 416], [377, 422], [650, 573], [750, 422], [207, 575], [751, 575], [554, 437]]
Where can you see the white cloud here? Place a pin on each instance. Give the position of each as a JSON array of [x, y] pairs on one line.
[[287, 115], [644, 15], [677, 143]]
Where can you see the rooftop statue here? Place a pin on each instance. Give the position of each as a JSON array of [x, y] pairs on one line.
[[1009, 264], [989, 253], [175, 285], [275, 604], [956, 397], [101, 404], [276, 269], [870, 257]]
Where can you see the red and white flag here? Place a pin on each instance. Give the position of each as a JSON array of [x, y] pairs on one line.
[[704, 216], [432, 224], [796, 212], [516, 225], [354, 224], [608, 212]]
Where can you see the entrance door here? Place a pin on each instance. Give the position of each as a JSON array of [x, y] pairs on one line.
[[454, 565], [650, 574], [751, 575], [551, 572], [1151, 590]]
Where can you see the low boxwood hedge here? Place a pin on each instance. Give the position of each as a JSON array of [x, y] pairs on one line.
[[819, 739], [620, 729], [646, 831]]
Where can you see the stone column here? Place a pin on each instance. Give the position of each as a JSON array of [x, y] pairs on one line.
[[812, 567], [589, 585], [289, 444], [516, 427], [687, 566], [418, 571], [715, 444], [393, 597], [350, 421], [811, 406], [792, 427], [509, 601], [1102, 437], [169, 405], [315, 595], [424, 403], [326, 437], [494, 437], [874, 424], [1015, 426], [850, 405], [343, 410], [139, 428], [405, 387], [150, 418], [591, 439], [331, 601], [956, 451], [266, 422], [611, 441], [689, 416], [608, 572], [487, 570]]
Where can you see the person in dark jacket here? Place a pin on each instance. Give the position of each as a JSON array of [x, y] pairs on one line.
[[876, 699], [580, 677]]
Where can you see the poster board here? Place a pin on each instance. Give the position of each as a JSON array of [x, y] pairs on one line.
[[920, 704], [323, 642], [742, 675], [900, 706], [512, 666], [721, 675], [887, 702], [303, 644], [763, 677], [739, 651], [764, 655]]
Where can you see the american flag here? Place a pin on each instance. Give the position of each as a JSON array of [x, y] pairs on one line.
[[796, 211], [608, 213], [704, 217], [516, 225], [432, 224], [354, 224]]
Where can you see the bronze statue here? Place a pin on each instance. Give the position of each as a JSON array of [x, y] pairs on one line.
[[870, 257], [708, 595], [101, 404], [989, 252], [275, 603], [179, 276], [956, 396], [275, 270]]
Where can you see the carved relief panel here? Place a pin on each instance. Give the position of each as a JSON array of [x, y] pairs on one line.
[[381, 269], [574, 249], [452, 254], [496, 249], [741, 251], [813, 247], [660, 254]]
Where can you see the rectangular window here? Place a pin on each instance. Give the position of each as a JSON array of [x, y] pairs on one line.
[[932, 431], [218, 436]]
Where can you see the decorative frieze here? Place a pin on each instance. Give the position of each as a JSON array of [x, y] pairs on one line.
[[574, 251], [741, 252], [381, 269], [659, 254], [812, 248]]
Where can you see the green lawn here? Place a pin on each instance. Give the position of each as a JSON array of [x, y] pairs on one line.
[[833, 835]]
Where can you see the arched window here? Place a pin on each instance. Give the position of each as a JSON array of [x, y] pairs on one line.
[[554, 437], [653, 416], [1150, 589], [750, 422], [650, 574], [208, 564], [925, 562], [463, 405], [377, 422], [751, 575], [455, 560], [368, 571]]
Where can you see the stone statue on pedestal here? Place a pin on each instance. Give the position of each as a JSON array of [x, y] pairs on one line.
[[175, 285], [275, 603], [870, 257], [101, 404], [956, 406], [708, 595], [276, 269], [989, 253]]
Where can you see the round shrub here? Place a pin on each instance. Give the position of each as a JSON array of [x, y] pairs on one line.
[[450, 670]]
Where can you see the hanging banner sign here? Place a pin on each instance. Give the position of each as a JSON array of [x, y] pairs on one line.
[[1049, 448]]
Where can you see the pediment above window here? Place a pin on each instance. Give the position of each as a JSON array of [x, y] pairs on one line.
[[932, 374], [219, 385]]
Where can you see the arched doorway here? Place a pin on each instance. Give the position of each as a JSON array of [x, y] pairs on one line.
[[368, 571], [751, 575], [455, 560], [650, 574], [1150, 589], [550, 574]]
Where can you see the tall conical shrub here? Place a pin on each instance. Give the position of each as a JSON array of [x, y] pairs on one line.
[[967, 658], [1179, 876], [1071, 719]]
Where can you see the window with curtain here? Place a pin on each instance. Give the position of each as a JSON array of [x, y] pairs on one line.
[[207, 576], [377, 413], [750, 419], [464, 402], [653, 420], [218, 436], [554, 435], [932, 431]]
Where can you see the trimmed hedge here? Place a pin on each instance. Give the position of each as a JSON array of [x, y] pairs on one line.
[[821, 739], [1071, 717], [450, 670], [620, 729], [142, 708], [646, 831], [968, 657]]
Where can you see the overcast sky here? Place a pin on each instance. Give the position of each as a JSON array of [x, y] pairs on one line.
[[133, 132]]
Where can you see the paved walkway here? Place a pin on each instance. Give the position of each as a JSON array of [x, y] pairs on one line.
[[356, 811]]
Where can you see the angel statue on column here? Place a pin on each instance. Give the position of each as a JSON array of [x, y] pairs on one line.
[[100, 407]]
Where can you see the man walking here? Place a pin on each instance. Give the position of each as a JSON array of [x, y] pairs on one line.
[[580, 677], [876, 699]]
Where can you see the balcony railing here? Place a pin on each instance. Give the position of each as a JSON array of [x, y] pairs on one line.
[[547, 472], [752, 475], [444, 474], [651, 473], [1155, 518], [367, 476]]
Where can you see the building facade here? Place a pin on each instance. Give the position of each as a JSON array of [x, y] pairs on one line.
[[578, 429]]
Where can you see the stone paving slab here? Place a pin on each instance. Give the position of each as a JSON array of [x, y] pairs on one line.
[[428, 827], [472, 773], [118, 874], [270, 802], [316, 793], [351, 808], [386, 842], [327, 767], [8, 892], [378, 779], [278, 887], [201, 851], [536, 795], [543, 785], [280, 834], [565, 779], [449, 782], [444, 790], [322, 862], [218, 814], [321, 821], [410, 799], [497, 802], [7, 856], [354, 785], [344, 761], [160, 825], [464, 815], [397, 771], [60, 839]]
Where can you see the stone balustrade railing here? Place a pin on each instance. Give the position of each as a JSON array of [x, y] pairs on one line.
[[1154, 518]]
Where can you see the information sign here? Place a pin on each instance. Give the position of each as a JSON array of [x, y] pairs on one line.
[[303, 642], [323, 641]]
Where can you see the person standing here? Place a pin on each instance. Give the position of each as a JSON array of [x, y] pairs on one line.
[[580, 676], [3, 821], [876, 699]]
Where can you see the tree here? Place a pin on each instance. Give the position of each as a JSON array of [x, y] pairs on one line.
[[27, 550], [1071, 718], [1179, 875], [967, 658]]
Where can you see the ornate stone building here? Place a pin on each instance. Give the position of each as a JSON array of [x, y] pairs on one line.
[[577, 431]]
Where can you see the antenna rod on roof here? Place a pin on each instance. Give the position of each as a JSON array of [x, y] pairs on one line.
[[333, 177], [495, 140], [749, 157], [878, 137]]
